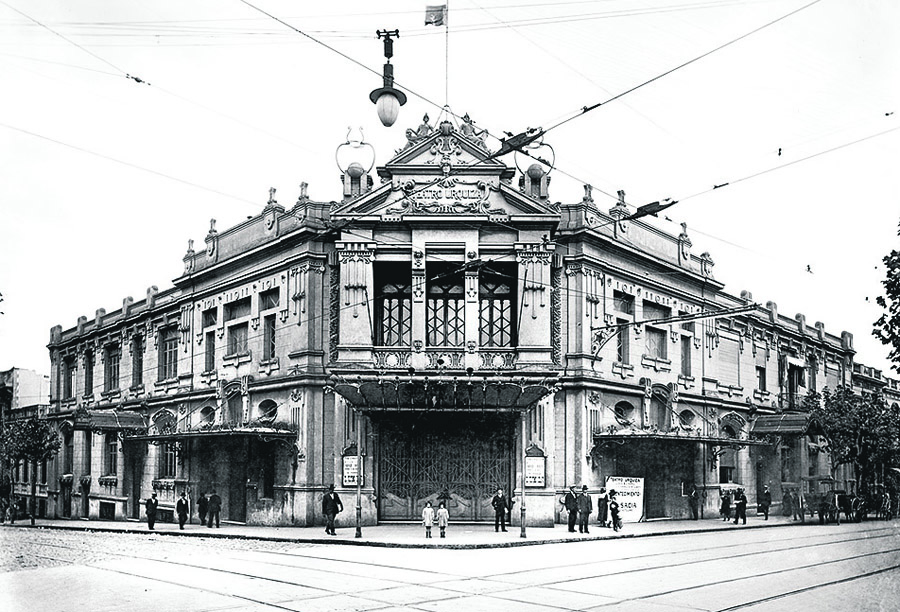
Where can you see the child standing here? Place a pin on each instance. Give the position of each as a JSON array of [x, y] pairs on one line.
[[443, 517], [614, 511], [428, 518]]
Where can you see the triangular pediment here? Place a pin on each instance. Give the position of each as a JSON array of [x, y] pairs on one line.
[[444, 173]]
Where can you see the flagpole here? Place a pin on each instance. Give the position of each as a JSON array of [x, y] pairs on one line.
[[447, 54]]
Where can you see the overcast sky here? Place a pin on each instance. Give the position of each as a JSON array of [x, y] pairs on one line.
[[104, 179]]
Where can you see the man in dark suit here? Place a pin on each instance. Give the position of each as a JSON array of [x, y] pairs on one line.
[[212, 509], [585, 507], [331, 507], [151, 504], [181, 509], [740, 507], [501, 505], [571, 504], [202, 507]]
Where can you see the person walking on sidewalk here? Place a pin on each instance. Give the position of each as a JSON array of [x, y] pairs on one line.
[[603, 508], [740, 507], [181, 509], [443, 518], [765, 500], [151, 504], [614, 511], [428, 518], [202, 505], [571, 503], [585, 507], [331, 507], [212, 509], [501, 505]]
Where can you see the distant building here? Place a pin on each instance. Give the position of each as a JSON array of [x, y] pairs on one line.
[[24, 394], [454, 330]]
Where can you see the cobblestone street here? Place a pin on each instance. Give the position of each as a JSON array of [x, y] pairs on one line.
[[22, 549]]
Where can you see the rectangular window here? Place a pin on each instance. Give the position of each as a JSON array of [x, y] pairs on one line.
[[88, 373], [269, 299], [536, 422], [137, 361], [69, 378], [656, 343], [168, 353], [25, 471], [268, 471], [760, 378], [445, 308], [393, 305], [168, 460], [496, 295], [237, 309], [269, 337], [43, 472], [622, 302], [686, 355], [111, 460], [653, 311], [68, 453], [88, 452], [210, 362], [726, 474], [111, 370], [209, 317], [623, 342], [237, 339]]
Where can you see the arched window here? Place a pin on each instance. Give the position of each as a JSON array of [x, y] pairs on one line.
[[687, 418], [164, 422], [267, 410], [207, 415]]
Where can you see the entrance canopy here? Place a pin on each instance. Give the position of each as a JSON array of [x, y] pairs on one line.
[[786, 424], [114, 420], [263, 433], [380, 393], [637, 435]]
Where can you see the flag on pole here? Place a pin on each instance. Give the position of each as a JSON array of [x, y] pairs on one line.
[[436, 15]]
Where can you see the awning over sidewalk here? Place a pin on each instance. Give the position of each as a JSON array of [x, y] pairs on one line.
[[638, 435], [112, 420], [262, 433], [451, 394], [786, 424]]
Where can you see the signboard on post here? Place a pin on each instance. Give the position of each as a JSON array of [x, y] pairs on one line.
[[534, 471], [630, 495], [351, 471]]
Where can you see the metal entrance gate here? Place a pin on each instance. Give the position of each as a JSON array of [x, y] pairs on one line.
[[455, 458]]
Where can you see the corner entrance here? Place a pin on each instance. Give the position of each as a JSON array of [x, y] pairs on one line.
[[453, 457]]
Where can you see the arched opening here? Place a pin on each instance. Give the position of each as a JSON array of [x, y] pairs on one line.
[[267, 410], [687, 418], [207, 415], [624, 412]]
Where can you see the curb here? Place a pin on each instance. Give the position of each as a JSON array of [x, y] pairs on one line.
[[383, 544]]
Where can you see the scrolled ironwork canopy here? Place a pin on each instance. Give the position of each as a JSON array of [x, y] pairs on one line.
[[470, 393]]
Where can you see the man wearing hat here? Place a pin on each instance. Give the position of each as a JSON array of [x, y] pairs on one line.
[[571, 504], [331, 506], [765, 500], [585, 507]]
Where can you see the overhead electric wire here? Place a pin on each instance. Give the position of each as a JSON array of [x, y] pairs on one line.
[[125, 163], [587, 109]]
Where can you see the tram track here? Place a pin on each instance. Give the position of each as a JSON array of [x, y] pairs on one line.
[[789, 544]]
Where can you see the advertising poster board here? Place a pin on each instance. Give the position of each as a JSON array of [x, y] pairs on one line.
[[630, 495], [351, 471], [534, 471]]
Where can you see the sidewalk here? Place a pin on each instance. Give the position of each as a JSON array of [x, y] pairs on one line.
[[463, 536]]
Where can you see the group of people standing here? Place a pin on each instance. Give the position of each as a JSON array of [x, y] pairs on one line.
[[208, 507], [580, 506]]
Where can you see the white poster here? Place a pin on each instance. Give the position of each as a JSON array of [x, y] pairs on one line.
[[630, 495], [351, 471], [534, 471]]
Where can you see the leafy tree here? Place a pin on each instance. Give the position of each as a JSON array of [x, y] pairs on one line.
[[887, 327], [33, 440], [860, 430]]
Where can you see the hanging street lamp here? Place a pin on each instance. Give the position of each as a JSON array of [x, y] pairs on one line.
[[387, 99]]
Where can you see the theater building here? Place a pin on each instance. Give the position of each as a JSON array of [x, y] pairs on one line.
[[431, 336]]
